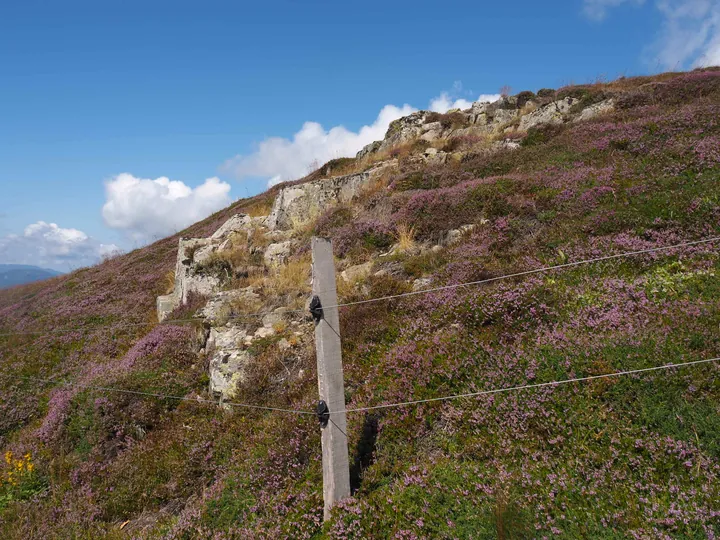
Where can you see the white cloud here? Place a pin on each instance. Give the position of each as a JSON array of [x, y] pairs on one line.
[[48, 245], [452, 99], [689, 35], [444, 102], [147, 208], [597, 9], [281, 159]]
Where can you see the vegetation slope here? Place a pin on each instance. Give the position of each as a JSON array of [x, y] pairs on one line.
[[633, 456]]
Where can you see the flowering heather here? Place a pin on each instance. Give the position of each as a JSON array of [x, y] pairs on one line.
[[636, 456]]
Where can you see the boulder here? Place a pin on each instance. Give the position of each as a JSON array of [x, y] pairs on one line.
[[552, 113], [165, 305], [404, 130], [203, 254], [238, 222], [369, 149], [278, 253], [300, 203], [226, 371], [223, 339], [503, 116], [478, 113], [357, 272], [216, 309], [431, 131], [595, 110]]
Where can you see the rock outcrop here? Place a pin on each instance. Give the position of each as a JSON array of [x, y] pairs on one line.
[[298, 204], [229, 336], [204, 264], [502, 116], [192, 252]]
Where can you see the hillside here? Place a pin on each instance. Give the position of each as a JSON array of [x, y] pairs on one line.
[[17, 274], [534, 180]]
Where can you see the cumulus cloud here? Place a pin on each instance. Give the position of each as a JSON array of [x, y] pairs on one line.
[[689, 35], [146, 208], [281, 159], [49, 245], [444, 102], [457, 99]]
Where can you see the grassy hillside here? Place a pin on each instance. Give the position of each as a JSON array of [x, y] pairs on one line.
[[635, 456]]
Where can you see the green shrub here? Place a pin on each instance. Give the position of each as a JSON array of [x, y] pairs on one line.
[[523, 97]]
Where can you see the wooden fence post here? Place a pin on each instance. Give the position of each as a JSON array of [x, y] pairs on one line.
[[336, 466]]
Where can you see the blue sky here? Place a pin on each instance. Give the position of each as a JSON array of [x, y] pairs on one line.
[[99, 100]]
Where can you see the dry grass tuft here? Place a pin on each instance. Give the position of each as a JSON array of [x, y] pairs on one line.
[[405, 236], [259, 208], [290, 278], [169, 281]]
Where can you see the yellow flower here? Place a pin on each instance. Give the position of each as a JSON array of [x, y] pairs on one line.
[[8, 457]]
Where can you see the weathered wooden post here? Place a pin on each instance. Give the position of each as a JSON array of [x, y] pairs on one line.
[[336, 467]]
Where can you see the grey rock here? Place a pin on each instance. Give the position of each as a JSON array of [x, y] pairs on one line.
[[503, 116], [552, 113], [300, 203], [597, 109], [276, 254], [264, 332], [166, 304], [357, 272], [216, 309], [204, 253], [421, 284], [272, 319], [236, 223], [404, 130], [225, 338], [227, 371], [455, 235], [436, 158], [369, 149], [507, 144]]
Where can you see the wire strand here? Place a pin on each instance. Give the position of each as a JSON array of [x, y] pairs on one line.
[[156, 395], [526, 272], [526, 386], [407, 294]]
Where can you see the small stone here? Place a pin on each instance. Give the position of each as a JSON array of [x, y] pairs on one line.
[[271, 319], [357, 272], [264, 332], [421, 284]]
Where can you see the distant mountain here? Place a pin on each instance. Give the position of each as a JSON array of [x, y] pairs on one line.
[[17, 274]]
